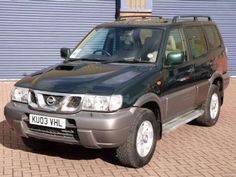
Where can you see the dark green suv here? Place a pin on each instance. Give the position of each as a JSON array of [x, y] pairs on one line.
[[124, 86]]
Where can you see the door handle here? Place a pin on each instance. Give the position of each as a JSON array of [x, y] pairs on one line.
[[183, 79], [191, 69]]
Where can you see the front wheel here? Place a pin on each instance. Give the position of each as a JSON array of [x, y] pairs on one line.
[[140, 144], [211, 108]]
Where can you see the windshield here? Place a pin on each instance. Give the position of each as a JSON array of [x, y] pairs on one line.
[[120, 43]]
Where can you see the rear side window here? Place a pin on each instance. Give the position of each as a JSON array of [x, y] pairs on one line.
[[212, 37], [197, 41]]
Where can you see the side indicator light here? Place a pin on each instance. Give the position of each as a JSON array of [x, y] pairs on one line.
[[158, 83]]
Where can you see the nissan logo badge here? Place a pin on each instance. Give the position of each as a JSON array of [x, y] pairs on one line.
[[51, 100]]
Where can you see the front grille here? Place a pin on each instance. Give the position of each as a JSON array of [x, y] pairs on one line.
[[74, 102], [54, 102], [33, 97], [58, 99], [67, 133]]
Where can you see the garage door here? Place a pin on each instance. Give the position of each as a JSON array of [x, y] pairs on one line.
[[222, 12], [32, 32]]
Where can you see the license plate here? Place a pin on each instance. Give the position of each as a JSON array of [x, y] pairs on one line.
[[47, 121]]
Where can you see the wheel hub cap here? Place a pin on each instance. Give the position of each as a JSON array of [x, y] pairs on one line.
[[144, 140], [214, 106]]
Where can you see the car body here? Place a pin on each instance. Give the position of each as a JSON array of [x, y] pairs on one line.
[[151, 76]]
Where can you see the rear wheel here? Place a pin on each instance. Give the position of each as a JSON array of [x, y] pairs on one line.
[[37, 144], [211, 108], [140, 144]]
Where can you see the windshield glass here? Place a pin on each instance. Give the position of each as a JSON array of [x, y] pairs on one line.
[[120, 43]]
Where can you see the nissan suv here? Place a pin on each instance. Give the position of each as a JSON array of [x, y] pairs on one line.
[[125, 85]]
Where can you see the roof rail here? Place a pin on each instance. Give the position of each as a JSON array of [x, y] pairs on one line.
[[138, 16], [195, 17]]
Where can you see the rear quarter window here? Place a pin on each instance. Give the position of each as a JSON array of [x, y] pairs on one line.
[[212, 36]]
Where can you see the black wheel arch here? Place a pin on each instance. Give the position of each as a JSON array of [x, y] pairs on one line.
[[152, 102], [217, 79]]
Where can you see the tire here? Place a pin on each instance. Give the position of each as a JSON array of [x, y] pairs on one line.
[[130, 153], [211, 108], [37, 144]]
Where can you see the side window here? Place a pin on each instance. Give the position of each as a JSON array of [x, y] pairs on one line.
[[197, 41], [176, 43], [212, 36]]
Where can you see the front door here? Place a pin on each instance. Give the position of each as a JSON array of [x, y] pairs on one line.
[[178, 91]]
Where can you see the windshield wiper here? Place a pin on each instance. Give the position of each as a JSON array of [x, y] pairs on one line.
[[125, 61]]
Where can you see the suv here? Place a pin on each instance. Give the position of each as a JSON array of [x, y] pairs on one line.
[[125, 85]]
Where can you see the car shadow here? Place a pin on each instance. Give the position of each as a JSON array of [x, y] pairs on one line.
[[9, 139]]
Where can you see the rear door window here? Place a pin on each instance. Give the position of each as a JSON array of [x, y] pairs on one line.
[[212, 37], [197, 42]]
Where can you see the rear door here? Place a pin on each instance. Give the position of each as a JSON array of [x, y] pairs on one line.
[[201, 59], [178, 91]]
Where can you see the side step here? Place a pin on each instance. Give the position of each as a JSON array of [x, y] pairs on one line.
[[180, 120]]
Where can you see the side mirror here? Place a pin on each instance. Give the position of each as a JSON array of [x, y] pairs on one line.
[[65, 53], [175, 58]]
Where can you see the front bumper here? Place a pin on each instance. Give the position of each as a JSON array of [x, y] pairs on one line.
[[89, 129]]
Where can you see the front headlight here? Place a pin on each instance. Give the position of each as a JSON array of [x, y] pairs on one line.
[[20, 94], [102, 103]]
